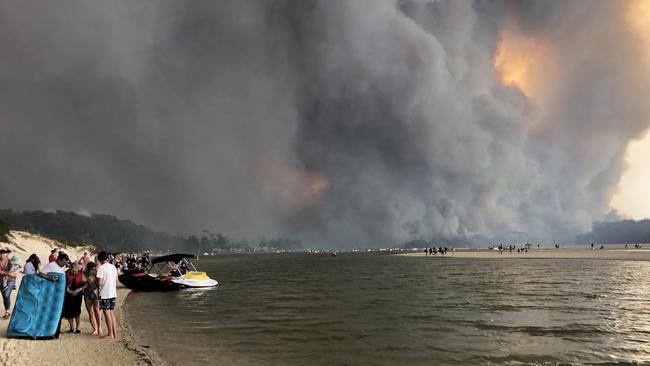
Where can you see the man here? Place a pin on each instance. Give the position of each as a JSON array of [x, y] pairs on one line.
[[107, 276], [57, 265]]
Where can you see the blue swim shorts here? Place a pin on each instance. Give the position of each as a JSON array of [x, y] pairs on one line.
[[107, 304]]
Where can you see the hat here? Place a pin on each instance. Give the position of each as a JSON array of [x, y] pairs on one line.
[[15, 260], [5, 250]]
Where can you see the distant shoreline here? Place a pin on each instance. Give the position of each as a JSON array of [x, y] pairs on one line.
[[610, 252]]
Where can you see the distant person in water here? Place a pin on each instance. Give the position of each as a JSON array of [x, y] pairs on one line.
[[107, 277]]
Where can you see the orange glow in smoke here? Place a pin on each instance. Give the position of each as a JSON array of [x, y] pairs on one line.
[[517, 59], [293, 188], [314, 184], [638, 17]]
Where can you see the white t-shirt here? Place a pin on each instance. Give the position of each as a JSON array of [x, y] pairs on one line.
[[53, 267], [108, 272], [29, 268]]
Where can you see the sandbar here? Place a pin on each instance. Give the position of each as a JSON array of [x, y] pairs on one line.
[[609, 252]]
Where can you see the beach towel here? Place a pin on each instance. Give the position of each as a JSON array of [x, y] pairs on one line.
[[37, 312]]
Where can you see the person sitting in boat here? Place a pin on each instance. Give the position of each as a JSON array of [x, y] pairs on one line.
[[175, 269], [182, 268]]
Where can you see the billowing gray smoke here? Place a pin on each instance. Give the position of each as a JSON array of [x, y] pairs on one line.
[[340, 123]]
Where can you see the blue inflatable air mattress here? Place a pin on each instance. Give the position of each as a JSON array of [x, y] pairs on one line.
[[38, 308]]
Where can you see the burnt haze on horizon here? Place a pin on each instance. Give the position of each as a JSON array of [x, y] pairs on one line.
[[358, 123]]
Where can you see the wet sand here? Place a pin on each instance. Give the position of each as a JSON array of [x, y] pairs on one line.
[[610, 252]]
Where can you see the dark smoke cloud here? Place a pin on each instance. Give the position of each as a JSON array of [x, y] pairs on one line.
[[217, 115]]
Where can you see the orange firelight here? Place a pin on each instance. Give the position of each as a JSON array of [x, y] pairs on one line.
[[313, 186], [638, 18], [517, 59], [292, 187]]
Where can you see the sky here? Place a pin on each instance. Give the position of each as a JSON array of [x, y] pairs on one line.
[[339, 123]]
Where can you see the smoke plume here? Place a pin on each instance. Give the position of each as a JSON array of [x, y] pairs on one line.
[[341, 123]]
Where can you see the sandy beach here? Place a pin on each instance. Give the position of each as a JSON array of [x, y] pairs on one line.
[[70, 349], [610, 252]]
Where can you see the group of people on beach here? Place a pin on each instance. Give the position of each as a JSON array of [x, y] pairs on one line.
[[93, 282], [433, 250], [511, 248]]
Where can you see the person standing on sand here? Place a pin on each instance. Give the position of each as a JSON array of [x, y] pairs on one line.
[[58, 266], [84, 261], [8, 279], [31, 268], [75, 284], [107, 278], [91, 299], [53, 255]]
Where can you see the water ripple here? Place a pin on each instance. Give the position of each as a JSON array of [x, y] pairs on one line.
[[366, 309]]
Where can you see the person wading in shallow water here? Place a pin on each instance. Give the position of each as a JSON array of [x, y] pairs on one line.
[[107, 278]]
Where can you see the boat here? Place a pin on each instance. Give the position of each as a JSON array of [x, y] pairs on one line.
[[167, 273]]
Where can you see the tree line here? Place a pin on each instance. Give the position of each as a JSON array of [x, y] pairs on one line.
[[119, 235]]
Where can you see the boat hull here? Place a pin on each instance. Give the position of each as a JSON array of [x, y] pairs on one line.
[[195, 279], [195, 283], [146, 282]]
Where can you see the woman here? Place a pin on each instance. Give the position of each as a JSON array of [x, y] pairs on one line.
[[53, 255], [75, 284], [8, 279], [91, 299], [31, 267]]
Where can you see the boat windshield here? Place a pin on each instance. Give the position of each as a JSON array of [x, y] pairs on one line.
[[172, 268]]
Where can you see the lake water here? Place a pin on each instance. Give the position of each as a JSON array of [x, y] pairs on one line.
[[370, 309]]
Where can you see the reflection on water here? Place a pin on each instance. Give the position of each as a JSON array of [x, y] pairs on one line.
[[388, 310]]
